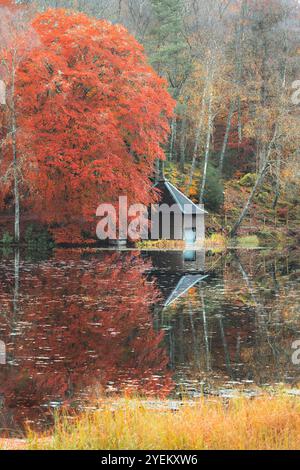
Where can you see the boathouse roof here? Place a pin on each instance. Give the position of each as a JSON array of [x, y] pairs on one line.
[[171, 195]]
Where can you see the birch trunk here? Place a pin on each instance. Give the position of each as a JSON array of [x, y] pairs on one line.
[[226, 136], [277, 182], [240, 65], [198, 138], [173, 137], [240, 128], [279, 148], [209, 75], [182, 143], [245, 211], [207, 148]]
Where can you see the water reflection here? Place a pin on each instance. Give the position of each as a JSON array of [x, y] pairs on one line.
[[70, 324], [80, 323], [236, 328]]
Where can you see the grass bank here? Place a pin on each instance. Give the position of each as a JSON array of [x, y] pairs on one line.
[[260, 423]]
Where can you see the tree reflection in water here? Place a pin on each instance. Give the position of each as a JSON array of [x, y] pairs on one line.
[[236, 329], [73, 325]]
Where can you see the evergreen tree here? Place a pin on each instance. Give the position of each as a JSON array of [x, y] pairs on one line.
[[168, 48]]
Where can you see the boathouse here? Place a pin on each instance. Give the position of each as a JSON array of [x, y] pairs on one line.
[[183, 221]]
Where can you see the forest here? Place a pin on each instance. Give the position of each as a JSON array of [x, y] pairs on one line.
[[95, 94]]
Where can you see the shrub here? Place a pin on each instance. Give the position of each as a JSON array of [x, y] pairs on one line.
[[249, 241], [248, 180], [263, 196], [265, 235], [7, 238], [214, 190], [38, 238]]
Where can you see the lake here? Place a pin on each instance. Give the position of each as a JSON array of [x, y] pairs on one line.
[[80, 324]]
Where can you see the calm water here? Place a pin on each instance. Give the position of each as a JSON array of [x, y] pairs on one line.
[[77, 325]]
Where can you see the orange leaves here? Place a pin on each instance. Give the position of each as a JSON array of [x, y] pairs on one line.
[[7, 3], [92, 116]]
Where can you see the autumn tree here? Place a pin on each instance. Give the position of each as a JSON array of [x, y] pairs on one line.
[[94, 114]]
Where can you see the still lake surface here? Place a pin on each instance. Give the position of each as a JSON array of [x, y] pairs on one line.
[[76, 325]]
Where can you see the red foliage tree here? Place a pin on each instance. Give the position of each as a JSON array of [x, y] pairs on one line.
[[92, 117]]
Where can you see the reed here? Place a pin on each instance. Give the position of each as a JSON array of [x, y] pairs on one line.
[[241, 424]]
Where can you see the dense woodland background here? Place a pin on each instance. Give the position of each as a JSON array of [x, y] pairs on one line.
[[232, 68]]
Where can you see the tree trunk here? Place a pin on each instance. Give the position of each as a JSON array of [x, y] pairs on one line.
[[15, 159], [207, 148], [240, 128], [240, 64], [173, 137], [198, 138], [182, 143], [279, 148], [226, 136], [277, 182], [119, 10], [245, 211]]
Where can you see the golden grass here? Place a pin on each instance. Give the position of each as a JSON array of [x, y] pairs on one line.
[[241, 424], [161, 244], [216, 241]]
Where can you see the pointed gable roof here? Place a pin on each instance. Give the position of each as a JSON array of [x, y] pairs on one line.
[[172, 195]]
